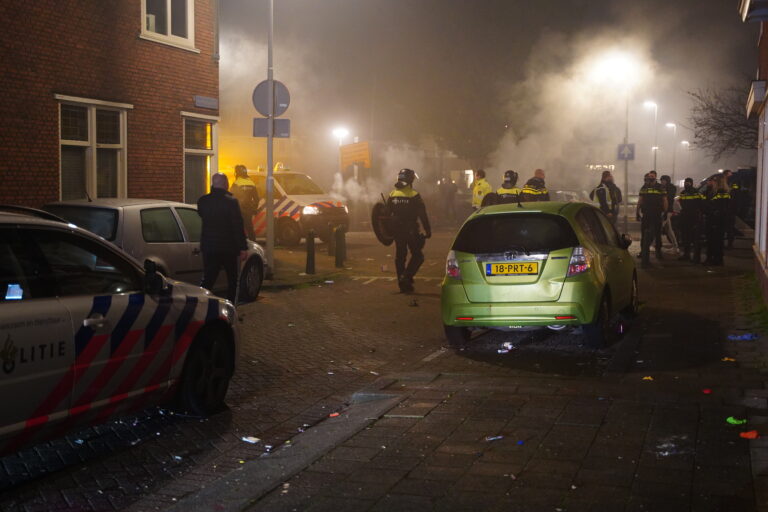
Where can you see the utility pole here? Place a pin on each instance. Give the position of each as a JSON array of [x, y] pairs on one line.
[[270, 134], [625, 200]]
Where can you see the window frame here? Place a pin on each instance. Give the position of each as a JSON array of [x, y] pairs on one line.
[[91, 145], [213, 153], [185, 43]]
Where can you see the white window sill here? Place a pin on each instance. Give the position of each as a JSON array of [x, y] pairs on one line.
[[159, 38]]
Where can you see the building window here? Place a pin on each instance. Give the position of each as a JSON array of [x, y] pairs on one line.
[[92, 139], [169, 21], [199, 155]]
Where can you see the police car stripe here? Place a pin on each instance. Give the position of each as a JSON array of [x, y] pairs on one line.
[[295, 211], [213, 310], [158, 317], [186, 316], [123, 327], [84, 334]]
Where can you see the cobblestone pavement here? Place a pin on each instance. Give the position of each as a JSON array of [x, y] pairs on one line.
[[581, 429]]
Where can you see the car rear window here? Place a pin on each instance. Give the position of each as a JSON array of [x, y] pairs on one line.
[[101, 221], [534, 232]]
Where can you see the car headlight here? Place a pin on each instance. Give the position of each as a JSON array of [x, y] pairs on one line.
[[310, 210]]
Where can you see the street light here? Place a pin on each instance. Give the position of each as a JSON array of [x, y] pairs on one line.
[[674, 147], [655, 107], [340, 133]]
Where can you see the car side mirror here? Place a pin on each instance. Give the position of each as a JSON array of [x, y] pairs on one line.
[[626, 241], [153, 282]]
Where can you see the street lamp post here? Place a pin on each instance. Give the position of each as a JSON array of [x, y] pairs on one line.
[[655, 107], [686, 155], [270, 185], [340, 133], [674, 147]]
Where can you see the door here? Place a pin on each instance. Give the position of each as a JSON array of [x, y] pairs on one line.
[[625, 266], [121, 335], [608, 256], [36, 345], [165, 243], [192, 225]]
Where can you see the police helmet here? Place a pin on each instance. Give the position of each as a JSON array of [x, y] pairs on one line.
[[510, 177], [407, 176]]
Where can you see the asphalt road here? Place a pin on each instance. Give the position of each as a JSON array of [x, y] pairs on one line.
[[595, 434]]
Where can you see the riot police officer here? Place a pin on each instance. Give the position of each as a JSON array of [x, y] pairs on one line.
[[247, 195], [691, 219], [508, 193], [717, 208], [535, 189], [650, 207], [408, 210]]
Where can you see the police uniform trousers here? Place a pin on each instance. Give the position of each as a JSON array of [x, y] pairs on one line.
[[405, 241], [690, 229], [716, 227], [650, 229], [248, 223]]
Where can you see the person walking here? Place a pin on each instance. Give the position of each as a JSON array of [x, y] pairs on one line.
[[508, 192], [480, 188], [691, 220], [650, 207], [408, 211], [535, 189], [608, 196], [717, 207], [222, 237], [247, 195]]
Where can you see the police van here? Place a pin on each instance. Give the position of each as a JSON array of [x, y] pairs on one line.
[[86, 333], [300, 205]]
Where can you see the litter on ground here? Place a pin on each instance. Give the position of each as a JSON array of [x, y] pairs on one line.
[[750, 336], [735, 421], [647, 377], [250, 439], [750, 434]]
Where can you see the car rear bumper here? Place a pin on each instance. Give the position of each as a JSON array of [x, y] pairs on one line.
[[578, 305]]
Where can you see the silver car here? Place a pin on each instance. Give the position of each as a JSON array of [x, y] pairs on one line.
[[165, 232], [86, 333]]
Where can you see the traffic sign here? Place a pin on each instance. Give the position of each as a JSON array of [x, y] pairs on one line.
[[358, 153], [260, 98], [282, 128], [626, 152]]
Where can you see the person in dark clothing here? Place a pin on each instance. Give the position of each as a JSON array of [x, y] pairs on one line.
[[691, 220], [608, 195], [408, 210], [222, 239], [717, 207], [735, 190], [650, 207], [666, 219], [535, 189], [247, 195]]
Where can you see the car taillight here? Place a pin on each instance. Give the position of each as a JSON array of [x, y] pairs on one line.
[[452, 266], [580, 262]]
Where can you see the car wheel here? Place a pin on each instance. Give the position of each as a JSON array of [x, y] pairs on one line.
[[598, 333], [250, 280], [288, 232], [457, 337], [207, 371]]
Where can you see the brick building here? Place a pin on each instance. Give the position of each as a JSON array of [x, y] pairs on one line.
[[757, 11], [109, 98]]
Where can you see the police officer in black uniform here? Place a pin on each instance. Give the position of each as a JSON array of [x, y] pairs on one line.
[[717, 208], [691, 220], [650, 207], [408, 210]]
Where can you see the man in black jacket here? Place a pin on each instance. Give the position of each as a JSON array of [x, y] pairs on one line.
[[222, 240]]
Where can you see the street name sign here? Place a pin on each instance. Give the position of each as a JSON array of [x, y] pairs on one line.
[[357, 153]]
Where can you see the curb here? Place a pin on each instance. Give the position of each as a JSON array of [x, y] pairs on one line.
[[243, 487]]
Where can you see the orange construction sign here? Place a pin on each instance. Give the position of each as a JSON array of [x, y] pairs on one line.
[[357, 153]]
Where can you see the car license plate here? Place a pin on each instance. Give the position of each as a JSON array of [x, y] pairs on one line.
[[525, 268]]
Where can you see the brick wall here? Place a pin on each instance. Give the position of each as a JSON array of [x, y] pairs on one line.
[[92, 49]]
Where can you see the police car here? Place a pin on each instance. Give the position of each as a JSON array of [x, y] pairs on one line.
[[300, 205], [86, 333]]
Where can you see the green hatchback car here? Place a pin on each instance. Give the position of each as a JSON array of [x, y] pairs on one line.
[[538, 265]]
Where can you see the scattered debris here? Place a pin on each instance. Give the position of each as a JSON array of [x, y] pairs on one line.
[[521, 442], [329, 282], [503, 351], [268, 448], [333, 415], [331, 373], [735, 421], [79, 441], [750, 336], [302, 273], [647, 377], [728, 360], [414, 303], [573, 487], [511, 475], [493, 438], [374, 373], [250, 439], [177, 457], [750, 434], [384, 268], [286, 485], [706, 391]]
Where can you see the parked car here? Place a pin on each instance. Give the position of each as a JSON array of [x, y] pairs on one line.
[[86, 333], [165, 232], [550, 264]]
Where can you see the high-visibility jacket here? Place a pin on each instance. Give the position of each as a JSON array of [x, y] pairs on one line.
[[408, 209], [691, 202], [652, 199], [246, 193], [479, 189], [508, 195], [534, 190]]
